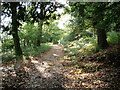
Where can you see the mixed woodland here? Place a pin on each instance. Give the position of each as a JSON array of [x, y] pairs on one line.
[[88, 44]]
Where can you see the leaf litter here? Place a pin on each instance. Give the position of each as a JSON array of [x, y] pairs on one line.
[[99, 70]]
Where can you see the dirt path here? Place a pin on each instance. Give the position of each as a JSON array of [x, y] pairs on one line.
[[50, 70]]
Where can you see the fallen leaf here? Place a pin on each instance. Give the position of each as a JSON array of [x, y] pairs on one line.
[[72, 72], [80, 71], [26, 68], [55, 55], [48, 70], [51, 64], [61, 59]]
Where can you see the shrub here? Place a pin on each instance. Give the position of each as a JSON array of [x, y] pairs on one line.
[[7, 57], [113, 37], [35, 50]]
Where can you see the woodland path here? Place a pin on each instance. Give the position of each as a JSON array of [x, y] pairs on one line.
[[50, 70]]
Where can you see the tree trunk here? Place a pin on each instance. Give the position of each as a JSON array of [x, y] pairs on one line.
[[100, 26], [40, 24], [16, 40], [101, 39]]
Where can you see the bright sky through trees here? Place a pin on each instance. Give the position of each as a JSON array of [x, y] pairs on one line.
[[63, 20]]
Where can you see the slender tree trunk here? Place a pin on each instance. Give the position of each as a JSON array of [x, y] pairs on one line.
[[40, 24], [16, 40], [27, 43], [101, 39], [100, 26], [24, 43]]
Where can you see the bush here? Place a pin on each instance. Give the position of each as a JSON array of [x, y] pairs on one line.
[[113, 37], [7, 57], [82, 46], [33, 51]]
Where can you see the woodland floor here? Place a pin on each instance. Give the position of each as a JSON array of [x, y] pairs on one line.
[[50, 70]]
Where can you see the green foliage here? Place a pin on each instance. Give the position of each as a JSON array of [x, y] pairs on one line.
[[7, 57], [79, 37], [100, 16], [33, 51], [113, 37], [82, 42], [28, 34], [52, 33], [47, 10], [7, 45], [28, 51], [81, 47]]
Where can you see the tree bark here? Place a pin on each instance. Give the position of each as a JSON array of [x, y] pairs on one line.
[[18, 50], [101, 39], [40, 24], [100, 26]]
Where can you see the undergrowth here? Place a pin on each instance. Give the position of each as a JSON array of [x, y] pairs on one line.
[[28, 51], [33, 51], [113, 37], [78, 49]]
